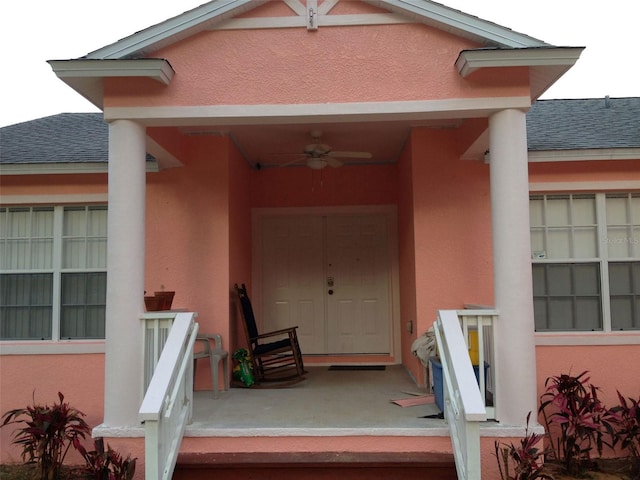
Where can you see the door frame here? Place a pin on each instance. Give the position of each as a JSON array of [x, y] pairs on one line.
[[391, 213]]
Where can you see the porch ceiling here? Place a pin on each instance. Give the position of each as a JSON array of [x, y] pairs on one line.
[[265, 146]]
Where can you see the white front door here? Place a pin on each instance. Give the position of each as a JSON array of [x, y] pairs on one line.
[[358, 313], [330, 275]]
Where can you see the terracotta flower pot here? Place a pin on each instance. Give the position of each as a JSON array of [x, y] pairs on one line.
[[167, 299], [153, 304]]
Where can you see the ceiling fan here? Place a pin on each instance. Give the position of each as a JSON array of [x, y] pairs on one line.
[[317, 155]]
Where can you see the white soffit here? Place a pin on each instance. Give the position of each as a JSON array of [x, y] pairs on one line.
[[546, 64], [86, 76]]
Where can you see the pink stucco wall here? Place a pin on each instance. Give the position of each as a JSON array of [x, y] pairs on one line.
[[25, 379]]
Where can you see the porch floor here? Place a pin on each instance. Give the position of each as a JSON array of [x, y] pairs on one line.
[[327, 403]]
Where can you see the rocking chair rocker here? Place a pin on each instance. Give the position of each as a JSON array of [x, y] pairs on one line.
[[275, 356]]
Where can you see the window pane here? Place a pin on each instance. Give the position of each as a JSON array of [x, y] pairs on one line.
[[587, 279], [97, 222], [585, 242], [560, 314], [559, 243], [97, 253], [536, 212], [26, 306], [557, 211], [617, 210], [620, 278], [567, 296], [624, 287], [83, 305], [559, 279], [539, 280], [619, 241], [27, 238], [75, 222], [622, 313], [583, 210], [588, 313]]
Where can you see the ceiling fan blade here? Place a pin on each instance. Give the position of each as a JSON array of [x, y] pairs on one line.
[[333, 162], [363, 155], [293, 162]]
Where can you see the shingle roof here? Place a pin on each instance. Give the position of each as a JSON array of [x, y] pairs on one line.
[[62, 138], [596, 123], [584, 124]]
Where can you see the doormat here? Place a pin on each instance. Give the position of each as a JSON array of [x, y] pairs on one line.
[[415, 400], [357, 367]]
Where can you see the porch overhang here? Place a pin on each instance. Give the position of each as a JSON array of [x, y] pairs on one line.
[[546, 64], [86, 76]]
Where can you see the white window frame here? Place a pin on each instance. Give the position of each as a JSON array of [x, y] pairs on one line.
[[55, 346], [606, 336]]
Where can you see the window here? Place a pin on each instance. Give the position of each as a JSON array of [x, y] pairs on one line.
[[53, 272], [586, 262]]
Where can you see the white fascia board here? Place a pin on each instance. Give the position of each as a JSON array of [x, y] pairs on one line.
[[460, 23], [471, 60], [229, 115], [70, 168], [175, 28], [155, 68], [584, 155]]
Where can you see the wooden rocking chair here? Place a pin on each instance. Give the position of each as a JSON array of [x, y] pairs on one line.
[[275, 356]]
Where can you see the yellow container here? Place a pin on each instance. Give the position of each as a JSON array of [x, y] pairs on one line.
[[474, 352]]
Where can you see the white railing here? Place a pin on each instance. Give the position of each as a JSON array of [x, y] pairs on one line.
[[478, 327], [156, 327], [167, 405], [463, 404]]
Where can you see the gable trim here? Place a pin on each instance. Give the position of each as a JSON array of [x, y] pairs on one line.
[[459, 23], [214, 13], [173, 29]]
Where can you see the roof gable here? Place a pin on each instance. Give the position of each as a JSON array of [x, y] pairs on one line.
[[222, 13]]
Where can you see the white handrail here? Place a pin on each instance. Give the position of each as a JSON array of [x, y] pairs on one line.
[[463, 404], [168, 402]]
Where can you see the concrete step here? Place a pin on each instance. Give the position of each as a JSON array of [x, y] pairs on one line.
[[316, 466]]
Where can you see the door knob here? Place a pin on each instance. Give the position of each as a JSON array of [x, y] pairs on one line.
[[330, 292]]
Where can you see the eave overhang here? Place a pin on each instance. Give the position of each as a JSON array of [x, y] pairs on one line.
[[459, 23], [546, 64], [86, 76]]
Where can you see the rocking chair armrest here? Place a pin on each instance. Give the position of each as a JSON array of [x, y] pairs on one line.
[[283, 331]]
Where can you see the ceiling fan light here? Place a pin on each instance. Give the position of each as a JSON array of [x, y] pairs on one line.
[[316, 163]]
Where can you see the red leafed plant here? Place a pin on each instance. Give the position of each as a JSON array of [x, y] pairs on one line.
[[47, 434], [627, 429], [527, 459], [577, 418], [104, 464]]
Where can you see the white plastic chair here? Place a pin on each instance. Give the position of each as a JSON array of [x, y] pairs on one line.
[[215, 353]]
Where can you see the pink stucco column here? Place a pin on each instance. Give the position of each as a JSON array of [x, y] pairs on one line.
[[125, 280], [515, 338]]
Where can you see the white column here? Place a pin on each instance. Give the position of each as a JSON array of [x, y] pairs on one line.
[[515, 336], [125, 277]]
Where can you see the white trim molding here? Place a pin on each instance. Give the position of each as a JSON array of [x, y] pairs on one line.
[[587, 155], [281, 114], [53, 199], [60, 347], [626, 185], [628, 337]]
